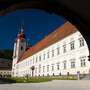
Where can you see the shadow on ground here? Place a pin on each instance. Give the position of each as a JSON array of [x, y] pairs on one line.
[[3, 82]]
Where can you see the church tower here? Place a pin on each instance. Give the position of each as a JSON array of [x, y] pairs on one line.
[[19, 49]]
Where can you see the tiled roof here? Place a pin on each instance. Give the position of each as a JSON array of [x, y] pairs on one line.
[[63, 31]]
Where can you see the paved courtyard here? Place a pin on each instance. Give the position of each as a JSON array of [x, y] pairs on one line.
[[53, 85]]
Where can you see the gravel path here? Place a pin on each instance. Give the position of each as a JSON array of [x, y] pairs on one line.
[[53, 85]]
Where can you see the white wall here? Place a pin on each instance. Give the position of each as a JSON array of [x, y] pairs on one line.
[[68, 56]]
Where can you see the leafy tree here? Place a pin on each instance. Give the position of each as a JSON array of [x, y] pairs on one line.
[[6, 54]]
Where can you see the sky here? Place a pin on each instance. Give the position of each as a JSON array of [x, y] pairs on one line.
[[37, 24]]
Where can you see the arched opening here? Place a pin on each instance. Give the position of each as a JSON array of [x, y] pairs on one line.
[[62, 8], [58, 9]]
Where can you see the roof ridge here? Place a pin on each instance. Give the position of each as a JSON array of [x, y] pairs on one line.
[[64, 30]]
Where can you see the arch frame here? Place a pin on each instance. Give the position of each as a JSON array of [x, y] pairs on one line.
[[62, 8]]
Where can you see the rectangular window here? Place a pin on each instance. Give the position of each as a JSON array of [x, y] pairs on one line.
[[52, 53], [43, 68], [47, 54], [72, 46], [83, 63], [33, 60], [58, 67], [39, 68], [72, 64], [58, 52], [36, 59], [64, 65], [28, 62], [40, 58], [53, 68], [64, 48], [81, 41], [43, 56], [47, 68]]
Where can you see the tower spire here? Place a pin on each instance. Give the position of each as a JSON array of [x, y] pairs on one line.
[[19, 32], [19, 29], [22, 26], [28, 43]]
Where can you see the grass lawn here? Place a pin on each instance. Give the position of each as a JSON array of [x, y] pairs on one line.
[[64, 78], [33, 80]]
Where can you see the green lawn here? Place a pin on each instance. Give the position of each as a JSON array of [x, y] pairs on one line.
[[32, 80], [64, 78]]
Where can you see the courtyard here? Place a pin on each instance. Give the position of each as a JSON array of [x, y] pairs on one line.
[[52, 85]]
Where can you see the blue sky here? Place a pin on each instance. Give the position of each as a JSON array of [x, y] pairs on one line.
[[37, 24]]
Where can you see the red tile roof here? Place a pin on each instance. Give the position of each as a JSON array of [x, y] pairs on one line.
[[63, 31]]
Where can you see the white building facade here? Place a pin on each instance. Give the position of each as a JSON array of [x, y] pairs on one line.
[[66, 56]]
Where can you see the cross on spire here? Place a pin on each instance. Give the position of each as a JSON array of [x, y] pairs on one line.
[[22, 22], [19, 30], [22, 26]]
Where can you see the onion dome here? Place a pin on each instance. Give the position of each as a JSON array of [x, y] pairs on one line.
[[22, 35], [19, 36], [18, 32], [22, 28], [28, 44], [16, 39]]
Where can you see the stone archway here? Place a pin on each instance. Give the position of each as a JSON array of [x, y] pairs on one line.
[[75, 11]]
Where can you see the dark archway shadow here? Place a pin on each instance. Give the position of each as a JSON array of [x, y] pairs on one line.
[[75, 11]]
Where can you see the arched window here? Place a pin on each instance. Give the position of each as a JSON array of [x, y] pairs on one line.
[[21, 47], [22, 41]]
